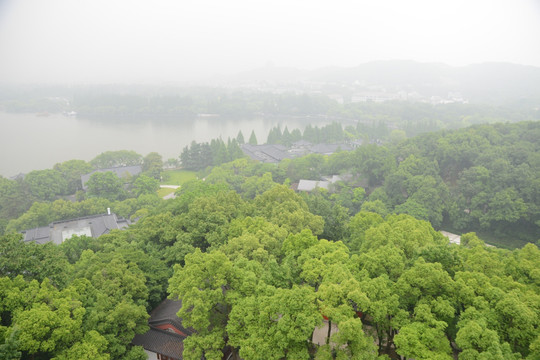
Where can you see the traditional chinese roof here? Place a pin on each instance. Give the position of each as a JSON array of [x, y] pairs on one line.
[[59, 231], [266, 153], [165, 313], [162, 342], [166, 334], [328, 149]]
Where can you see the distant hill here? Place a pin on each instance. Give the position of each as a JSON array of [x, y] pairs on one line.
[[494, 83]]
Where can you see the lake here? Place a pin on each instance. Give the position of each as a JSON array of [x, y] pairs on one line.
[[31, 142]]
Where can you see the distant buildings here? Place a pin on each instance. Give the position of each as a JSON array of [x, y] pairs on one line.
[[269, 153], [453, 97], [329, 149], [337, 98], [266, 153], [373, 96]]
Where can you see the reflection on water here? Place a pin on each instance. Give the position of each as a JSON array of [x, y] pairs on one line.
[[29, 142]]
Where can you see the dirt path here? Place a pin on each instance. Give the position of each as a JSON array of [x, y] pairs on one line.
[[171, 195]]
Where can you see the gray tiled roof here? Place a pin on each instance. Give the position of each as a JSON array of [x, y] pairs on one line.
[[162, 342], [301, 143], [275, 153], [266, 153], [310, 185], [59, 231], [165, 313], [327, 149], [118, 171], [40, 235]]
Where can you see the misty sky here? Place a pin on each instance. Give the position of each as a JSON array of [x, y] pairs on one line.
[[72, 41]]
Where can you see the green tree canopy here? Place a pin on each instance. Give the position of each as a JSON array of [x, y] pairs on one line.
[[110, 159], [106, 185]]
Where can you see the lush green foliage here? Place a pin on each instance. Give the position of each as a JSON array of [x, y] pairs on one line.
[[153, 165], [178, 177], [257, 265], [71, 171], [200, 156], [261, 285], [331, 133], [106, 185], [110, 159], [484, 178]]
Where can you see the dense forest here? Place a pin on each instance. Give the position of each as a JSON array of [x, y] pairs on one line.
[[257, 265], [483, 178]]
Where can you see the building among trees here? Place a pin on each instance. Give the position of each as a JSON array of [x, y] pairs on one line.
[[91, 226], [164, 339], [120, 172]]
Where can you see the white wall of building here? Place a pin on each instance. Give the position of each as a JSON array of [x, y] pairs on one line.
[[151, 355]]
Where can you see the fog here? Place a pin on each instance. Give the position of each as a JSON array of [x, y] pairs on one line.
[[100, 41]]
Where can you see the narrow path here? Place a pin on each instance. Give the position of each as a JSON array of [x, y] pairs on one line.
[[171, 195], [169, 186]]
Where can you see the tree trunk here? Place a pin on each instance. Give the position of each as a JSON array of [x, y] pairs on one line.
[[379, 337], [329, 331]]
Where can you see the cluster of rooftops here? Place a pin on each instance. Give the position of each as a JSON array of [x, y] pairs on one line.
[[270, 153], [97, 225]]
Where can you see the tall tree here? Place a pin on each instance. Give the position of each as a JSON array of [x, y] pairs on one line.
[[282, 327], [253, 138], [203, 284], [275, 136], [46, 184], [240, 137], [145, 185], [114, 292], [72, 170], [9, 347], [153, 165], [106, 185], [110, 159]]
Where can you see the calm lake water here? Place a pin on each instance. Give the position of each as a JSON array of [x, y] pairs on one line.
[[30, 142]]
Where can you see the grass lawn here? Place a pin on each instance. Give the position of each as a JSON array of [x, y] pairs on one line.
[[505, 242], [177, 177], [165, 191], [499, 240]]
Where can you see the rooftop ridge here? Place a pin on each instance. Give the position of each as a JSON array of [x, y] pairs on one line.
[[83, 218]]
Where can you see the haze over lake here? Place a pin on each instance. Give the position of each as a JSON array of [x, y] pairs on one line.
[[38, 142]]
